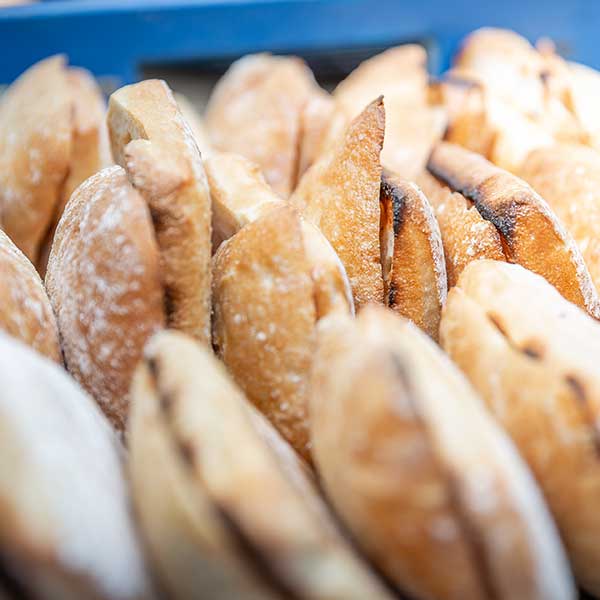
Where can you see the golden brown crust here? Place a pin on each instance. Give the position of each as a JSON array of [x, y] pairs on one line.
[[532, 357], [466, 235], [264, 496], [417, 285], [35, 148], [413, 122], [386, 409], [90, 150], [568, 178], [255, 111], [264, 318], [154, 144], [239, 194], [340, 195], [531, 234], [25, 312], [104, 283]]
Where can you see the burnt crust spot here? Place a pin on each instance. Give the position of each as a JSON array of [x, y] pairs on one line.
[[392, 294], [166, 398], [187, 452], [391, 193], [259, 564], [168, 301], [533, 348]]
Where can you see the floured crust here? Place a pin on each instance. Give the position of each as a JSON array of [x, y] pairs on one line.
[[155, 146], [416, 286], [90, 150], [568, 178], [531, 234], [428, 485], [413, 122], [340, 195], [263, 495], [255, 110], [239, 194], [466, 235], [66, 530], [35, 149], [25, 312], [532, 357], [104, 282], [264, 316]]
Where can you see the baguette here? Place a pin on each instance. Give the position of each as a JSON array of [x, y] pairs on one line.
[[568, 178], [272, 281], [26, 312], [153, 143], [414, 270], [340, 195], [255, 110], [532, 357], [104, 282], [428, 485], [53, 137], [530, 232], [209, 511], [67, 531]]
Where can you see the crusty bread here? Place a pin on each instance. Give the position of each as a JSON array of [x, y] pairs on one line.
[[196, 124], [466, 235], [230, 470], [35, 148], [568, 178], [413, 123], [531, 234], [265, 306], [239, 194], [90, 151], [412, 254], [153, 143], [255, 110], [533, 358], [429, 486], [66, 530], [315, 121], [25, 312], [340, 195], [104, 282]]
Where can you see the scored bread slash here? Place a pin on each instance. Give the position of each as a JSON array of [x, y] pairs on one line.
[[104, 283], [531, 234], [239, 194], [431, 489], [568, 178], [533, 358], [340, 195], [26, 312], [466, 235], [67, 531], [272, 281], [153, 143], [414, 271], [255, 110], [227, 507]]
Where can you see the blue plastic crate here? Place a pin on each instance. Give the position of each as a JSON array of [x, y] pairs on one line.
[[115, 38]]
